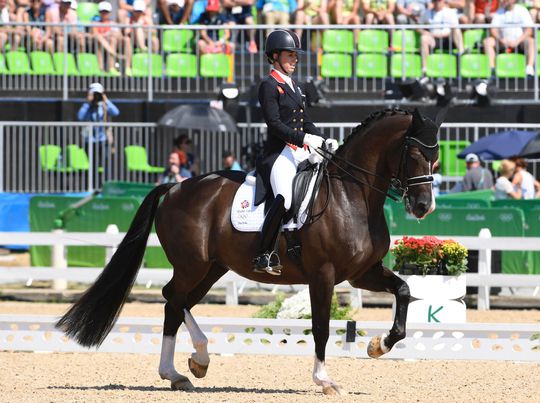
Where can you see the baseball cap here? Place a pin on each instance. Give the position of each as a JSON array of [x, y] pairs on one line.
[[213, 5], [96, 87], [471, 158], [139, 5], [105, 6]]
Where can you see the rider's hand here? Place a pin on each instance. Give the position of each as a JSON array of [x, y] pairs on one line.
[[315, 158], [313, 141], [332, 145]]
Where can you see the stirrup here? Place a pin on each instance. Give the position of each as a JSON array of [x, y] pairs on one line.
[[264, 264]]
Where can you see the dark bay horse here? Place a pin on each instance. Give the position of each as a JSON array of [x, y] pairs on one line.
[[347, 242]]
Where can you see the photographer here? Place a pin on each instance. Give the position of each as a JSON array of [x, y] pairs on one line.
[[97, 108]]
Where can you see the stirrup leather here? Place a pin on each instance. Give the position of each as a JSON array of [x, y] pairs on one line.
[[268, 263]]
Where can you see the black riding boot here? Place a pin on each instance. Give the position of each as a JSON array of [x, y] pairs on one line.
[[267, 260]]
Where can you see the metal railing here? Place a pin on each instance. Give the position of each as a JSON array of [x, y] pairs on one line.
[[25, 165], [124, 68]]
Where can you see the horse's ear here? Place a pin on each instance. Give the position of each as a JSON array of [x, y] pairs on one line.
[[441, 114]]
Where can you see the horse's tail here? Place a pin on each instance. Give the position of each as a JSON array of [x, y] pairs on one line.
[[92, 317]]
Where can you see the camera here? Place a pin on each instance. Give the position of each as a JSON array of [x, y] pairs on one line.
[[98, 97]]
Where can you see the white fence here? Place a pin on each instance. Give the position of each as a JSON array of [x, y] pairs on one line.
[[234, 283], [24, 167]]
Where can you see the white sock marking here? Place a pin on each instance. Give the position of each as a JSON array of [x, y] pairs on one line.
[[198, 339]]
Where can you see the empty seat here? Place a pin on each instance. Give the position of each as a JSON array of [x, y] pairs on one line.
[[441, 66], [86, 11], [373, 41], [18, 62], [411, 67], [137, 160], [88, 65], [510, 65], [141, 65], [177, 40], [61, 59], [336, 65], [372, 66], [338, 41], [48, 156], [42, 63], [406, 40], [475, 66], [473, 38], [215, 65], [181, 65]]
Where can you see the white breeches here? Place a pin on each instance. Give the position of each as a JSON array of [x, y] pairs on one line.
[[283, 171]]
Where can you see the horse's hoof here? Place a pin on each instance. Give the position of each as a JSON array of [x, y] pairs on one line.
[[332, 390], [198, 370], [182, 383], [376, 346]]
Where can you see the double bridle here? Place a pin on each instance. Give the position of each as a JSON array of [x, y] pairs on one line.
[[398, 191]]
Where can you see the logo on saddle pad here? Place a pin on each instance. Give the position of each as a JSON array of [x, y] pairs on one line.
[[244, 204]]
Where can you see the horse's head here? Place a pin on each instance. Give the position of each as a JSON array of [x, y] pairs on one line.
[[419, 154]]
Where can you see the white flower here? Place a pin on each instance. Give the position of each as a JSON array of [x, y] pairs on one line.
[[296, 307]]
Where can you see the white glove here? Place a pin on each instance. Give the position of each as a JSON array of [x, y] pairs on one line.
[[332, 145], [313, 141], [315, 158]]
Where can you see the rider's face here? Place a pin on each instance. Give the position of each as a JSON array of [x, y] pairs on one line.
[[288, 60]]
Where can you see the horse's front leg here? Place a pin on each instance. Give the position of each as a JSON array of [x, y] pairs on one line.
[[321, 288], [379, 279]]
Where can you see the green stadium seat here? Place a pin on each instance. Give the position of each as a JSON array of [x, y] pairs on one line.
[[77, 158], [510, 65], [177, 40], [42, 63], [48, 156], [475, 66], [373, 41], [441, 66], [3, 67], [215, 65], [71, 65], [181, 65], [18, 63], [86, 11], [451, 165], [411, 38], [338, 41], [412, 64], [336, 65], [88, 65], [137, 160], [472, 39], [141, 65], [371, 66]]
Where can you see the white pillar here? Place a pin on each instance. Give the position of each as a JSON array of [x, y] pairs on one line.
[[59, 261], [231, 297], [484, 267], [356, 298]]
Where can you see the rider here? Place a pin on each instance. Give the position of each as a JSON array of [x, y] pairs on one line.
[[290, 133]]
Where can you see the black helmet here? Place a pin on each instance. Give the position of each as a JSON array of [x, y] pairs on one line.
[[282, 39]]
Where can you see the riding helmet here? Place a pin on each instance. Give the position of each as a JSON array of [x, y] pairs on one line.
[[281, 39]]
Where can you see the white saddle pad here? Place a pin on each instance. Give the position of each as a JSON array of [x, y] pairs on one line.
[[247, 217]]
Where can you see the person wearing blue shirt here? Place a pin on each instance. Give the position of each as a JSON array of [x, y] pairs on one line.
[[276, 12], [97, 108], [230, 163]]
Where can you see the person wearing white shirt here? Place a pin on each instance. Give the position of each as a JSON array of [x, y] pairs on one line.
[[503, 187], [511, 32], [446, 36], [524, 181]]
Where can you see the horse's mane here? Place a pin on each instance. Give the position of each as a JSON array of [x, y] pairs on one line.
[[374, 117]]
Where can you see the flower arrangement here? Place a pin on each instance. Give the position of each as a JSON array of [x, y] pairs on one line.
[[429, 255]]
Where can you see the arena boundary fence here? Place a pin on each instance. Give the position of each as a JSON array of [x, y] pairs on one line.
[[25, 164], [235, 284], [472, 341]]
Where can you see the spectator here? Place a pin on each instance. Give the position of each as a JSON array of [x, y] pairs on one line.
[[379, 11], [239, 12], [437, 179], [346, 12], [64, 14], [172, 171], [524, 182], [174, 12], [35, 12], [458, 6], [444, 38], [97, 108], [410, 11], [503, 187], [138, 36], [481, 11], [210, 42], [276, 12], [191, 164], [108, 38], [534, 10], [125, 9], [476, 178], [229, 162], [7, 32], [509, 33], [311, 12]]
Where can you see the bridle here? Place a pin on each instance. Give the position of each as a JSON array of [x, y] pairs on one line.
[[398, 191]]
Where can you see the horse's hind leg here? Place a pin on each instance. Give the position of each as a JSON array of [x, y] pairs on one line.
[[378, 279], [179, 300]]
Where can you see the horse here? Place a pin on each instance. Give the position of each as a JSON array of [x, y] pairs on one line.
[[391, 149]]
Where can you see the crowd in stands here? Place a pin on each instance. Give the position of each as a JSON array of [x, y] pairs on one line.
[[111, 43]]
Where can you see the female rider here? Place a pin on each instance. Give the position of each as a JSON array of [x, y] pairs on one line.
[[292, 138]]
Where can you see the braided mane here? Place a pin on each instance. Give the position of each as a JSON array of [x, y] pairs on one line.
[[374, 117]]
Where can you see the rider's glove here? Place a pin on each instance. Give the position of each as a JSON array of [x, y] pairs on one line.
[[313, 141], [332, 145], [315, 157]]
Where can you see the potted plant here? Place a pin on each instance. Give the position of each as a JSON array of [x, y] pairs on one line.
[[433, 269]]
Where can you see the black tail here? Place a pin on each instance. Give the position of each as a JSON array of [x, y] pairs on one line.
[[92, 317]]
